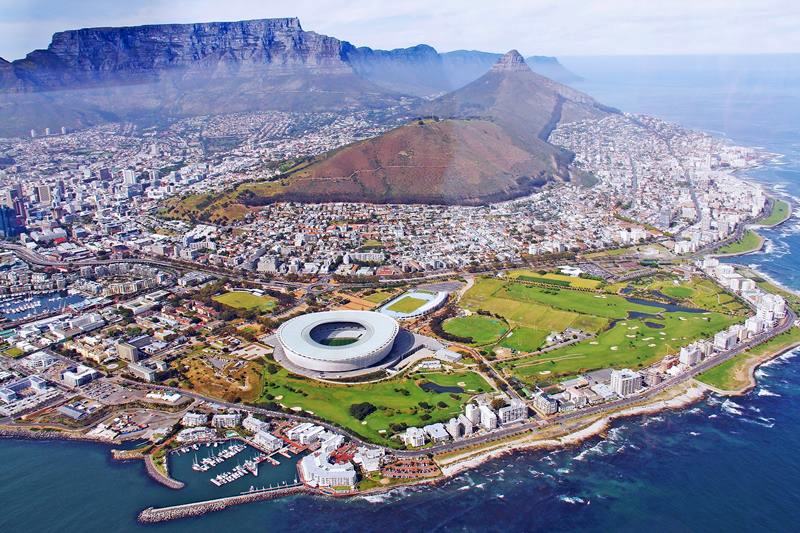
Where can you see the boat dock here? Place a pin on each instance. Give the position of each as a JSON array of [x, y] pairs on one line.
[[207, 463]]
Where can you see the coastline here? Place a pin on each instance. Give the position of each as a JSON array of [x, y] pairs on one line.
[[593, 428], [751, 367]]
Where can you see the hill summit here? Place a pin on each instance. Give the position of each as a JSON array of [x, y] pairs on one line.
[[485, 142], [512, 61]]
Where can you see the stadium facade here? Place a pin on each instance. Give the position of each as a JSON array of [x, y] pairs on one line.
[[338, 341]]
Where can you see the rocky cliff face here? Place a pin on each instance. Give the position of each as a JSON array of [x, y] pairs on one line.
[[95, 56], [165, 71]]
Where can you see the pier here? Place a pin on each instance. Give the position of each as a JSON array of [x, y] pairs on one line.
[[153, 515]]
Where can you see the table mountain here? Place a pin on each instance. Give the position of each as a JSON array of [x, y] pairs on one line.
[[165, 71]]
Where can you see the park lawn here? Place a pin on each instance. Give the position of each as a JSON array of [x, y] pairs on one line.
[[231, 384], [734, 374], [378, 296], [246, 300], [750, 242], [372, 243], [632, 343], [397, 400], [14, 352], [587, 303], [613, 252], [407, 304], [481, 329], [780, 212], [524, 339], [580, 283]]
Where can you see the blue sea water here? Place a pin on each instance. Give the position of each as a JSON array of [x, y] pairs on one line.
[[722, 465]]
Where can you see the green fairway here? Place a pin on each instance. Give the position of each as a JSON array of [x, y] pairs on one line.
[[407, 304], [678, 292], [734, 374], [780, 212], [524, 339], [587, 303], [481, 329], [397, 400], [697, 292], [750, 242], [630, 343], [246, 300]]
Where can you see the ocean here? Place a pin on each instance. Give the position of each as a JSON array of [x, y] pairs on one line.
[[721, 465]]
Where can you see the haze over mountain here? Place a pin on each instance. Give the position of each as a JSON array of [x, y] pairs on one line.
[[154, 72], [487, 142]]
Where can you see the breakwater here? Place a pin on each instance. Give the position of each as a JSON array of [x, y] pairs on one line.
[[159, 476], [153, 515]]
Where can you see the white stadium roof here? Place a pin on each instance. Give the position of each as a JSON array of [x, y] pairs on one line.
[[376, 335]]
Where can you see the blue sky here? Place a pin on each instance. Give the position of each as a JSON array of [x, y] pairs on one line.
[[549, 27]]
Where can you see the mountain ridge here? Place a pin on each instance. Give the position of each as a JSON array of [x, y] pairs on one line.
[[485, 142]]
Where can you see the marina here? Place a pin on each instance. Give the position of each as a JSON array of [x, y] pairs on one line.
[[15, 308], [230, 468]]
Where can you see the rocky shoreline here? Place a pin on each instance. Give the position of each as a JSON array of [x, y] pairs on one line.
[[693, 394]]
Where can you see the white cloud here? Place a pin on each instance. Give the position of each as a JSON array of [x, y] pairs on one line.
[[555, 27]]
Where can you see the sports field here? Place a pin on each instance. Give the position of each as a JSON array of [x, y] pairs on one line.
[[407, 304], [397, 400], [378, 297], [246, 300], [481, 329]]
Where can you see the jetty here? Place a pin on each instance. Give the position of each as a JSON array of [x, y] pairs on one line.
[[153, 515]]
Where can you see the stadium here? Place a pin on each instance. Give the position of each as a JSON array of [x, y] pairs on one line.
[[338, 341]]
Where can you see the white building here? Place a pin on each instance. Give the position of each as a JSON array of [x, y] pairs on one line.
[[226, 421], [414, 437], [545, 404], [253, 424], [690, 355], [437, 432], [473, 414], [725, 340], [515, 412], [194, 419], [79, 375], [317, 471], [488, 418], [267, 441], [625, 382], [369, 458]]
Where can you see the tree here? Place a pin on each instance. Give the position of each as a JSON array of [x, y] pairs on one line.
[[497, 403], [362, 410]]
